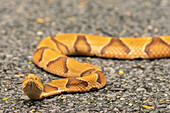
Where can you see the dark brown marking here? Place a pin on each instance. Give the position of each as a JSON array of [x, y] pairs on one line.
[[100, 74], [41, 48], [64, 62], [58, 44], [87, 72], [115, 40], [75, 82], [155, 40], [93, 89], [82, 38], [47, 88]]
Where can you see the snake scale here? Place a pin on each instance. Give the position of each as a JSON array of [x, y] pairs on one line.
[[52, 55]]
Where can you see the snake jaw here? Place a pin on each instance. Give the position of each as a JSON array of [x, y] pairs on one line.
[[32, 87]]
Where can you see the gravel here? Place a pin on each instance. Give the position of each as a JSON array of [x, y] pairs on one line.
[[143, 86]]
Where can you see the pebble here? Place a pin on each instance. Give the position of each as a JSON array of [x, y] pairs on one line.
[[150, 84], [130, 104], [9, 56], [141, 90], [116, 110], [168, 107], [122, 98], [24, 97], [162, 106], [39, 33]]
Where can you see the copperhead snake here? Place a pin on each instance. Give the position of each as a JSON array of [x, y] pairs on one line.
[[82, 77]]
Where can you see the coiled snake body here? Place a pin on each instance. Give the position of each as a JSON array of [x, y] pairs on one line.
[[81, 77]]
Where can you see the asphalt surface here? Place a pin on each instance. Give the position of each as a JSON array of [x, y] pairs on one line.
[[132, 85]]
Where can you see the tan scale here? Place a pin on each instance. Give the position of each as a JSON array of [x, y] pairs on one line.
[[136, 46], [76, 68], [97, 43], [82, 77], [68, 40], [47, 42], [156, 46], [166, 39]]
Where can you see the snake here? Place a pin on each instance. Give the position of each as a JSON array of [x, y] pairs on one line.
[[52, 54]]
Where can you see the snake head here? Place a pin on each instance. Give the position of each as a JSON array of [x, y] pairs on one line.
[[32, 86]]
